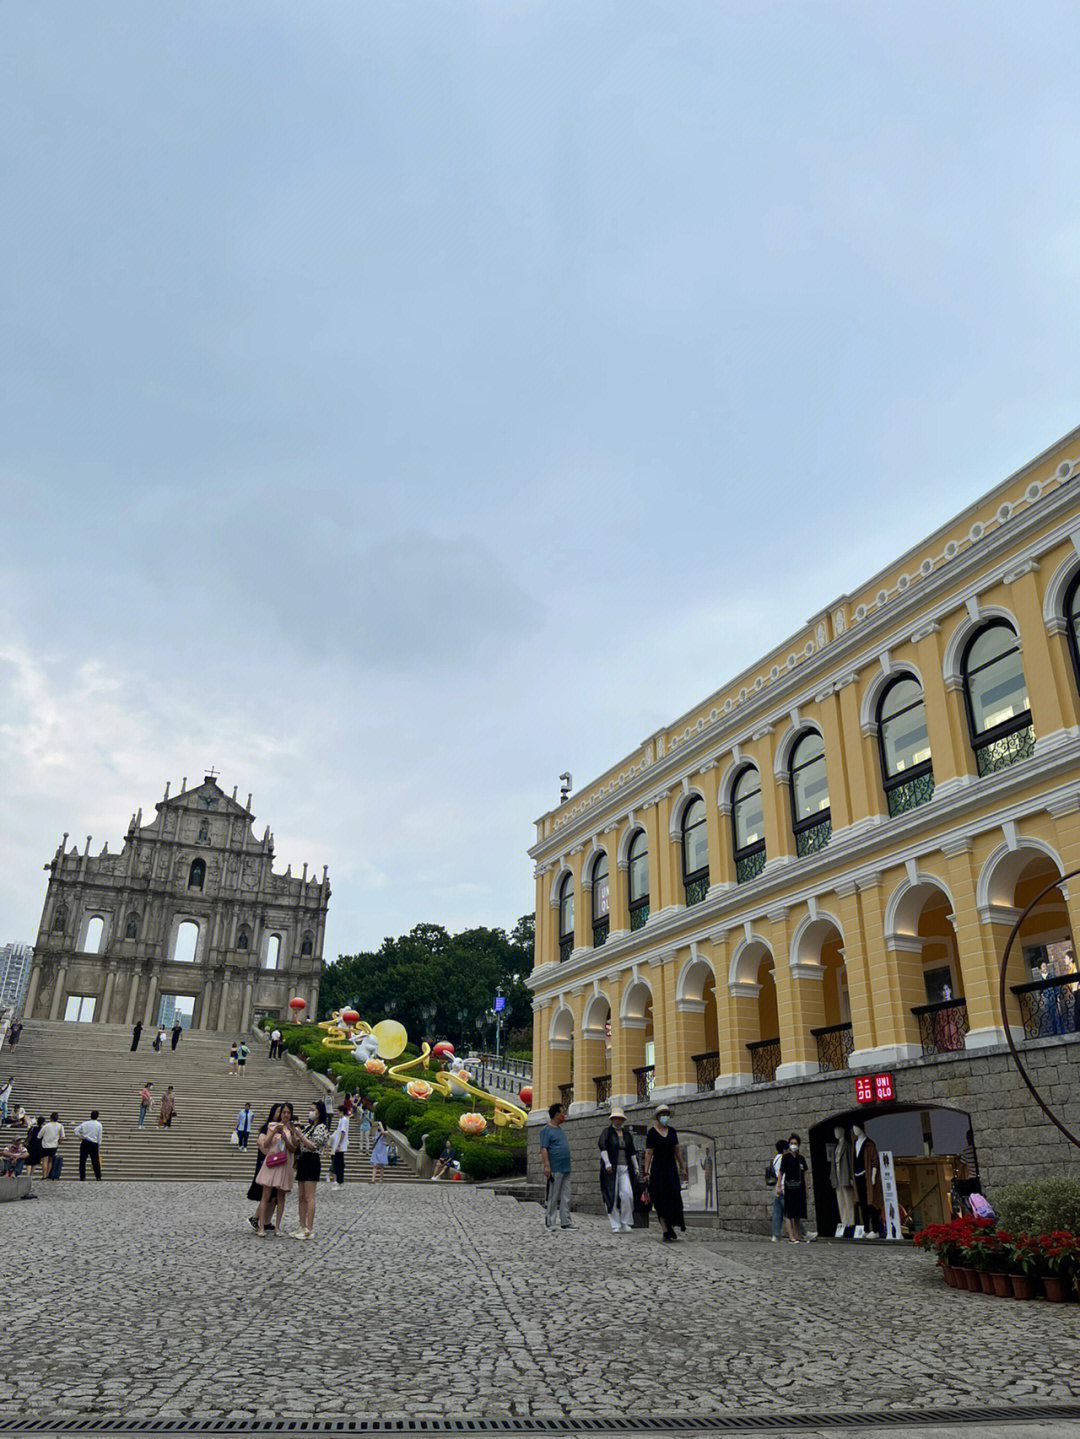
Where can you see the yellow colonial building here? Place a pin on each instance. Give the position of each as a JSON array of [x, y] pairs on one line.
[[816, 869]]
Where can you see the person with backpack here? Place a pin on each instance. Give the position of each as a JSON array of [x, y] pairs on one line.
[[791, 1186], [772, 1175], [242, 1053]]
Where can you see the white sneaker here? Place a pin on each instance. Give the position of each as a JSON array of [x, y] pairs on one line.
[[774, 1239], [627, 1229]]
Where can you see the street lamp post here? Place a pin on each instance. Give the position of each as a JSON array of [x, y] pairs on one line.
[[500, 1005]]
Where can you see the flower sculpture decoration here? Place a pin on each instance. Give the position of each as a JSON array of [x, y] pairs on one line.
[[418, 1089], [472, 1123], [374, 1066]]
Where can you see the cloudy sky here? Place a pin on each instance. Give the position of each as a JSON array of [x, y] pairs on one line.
[[404, 403]]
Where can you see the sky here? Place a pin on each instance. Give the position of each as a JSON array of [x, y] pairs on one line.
[[402, 404]]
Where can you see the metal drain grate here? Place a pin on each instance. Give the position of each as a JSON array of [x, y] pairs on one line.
[[759, 1422]]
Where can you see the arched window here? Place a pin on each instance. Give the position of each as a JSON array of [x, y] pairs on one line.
[[131, 929], [204, 831], [997, 699], [638, 875], [242, 939], [187, 942], [748, 825], [906, 769], [811, 818], [95, 931], [695, 852], [566, 917], [601, 900], [307, 944], [1072, 621], [273, 951], [196, 874], [59, 918]]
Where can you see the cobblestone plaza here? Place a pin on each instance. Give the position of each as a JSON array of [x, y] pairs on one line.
[[155, 1301]]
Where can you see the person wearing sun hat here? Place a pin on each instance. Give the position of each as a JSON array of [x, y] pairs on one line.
[[618, 1172], [665, 1173]]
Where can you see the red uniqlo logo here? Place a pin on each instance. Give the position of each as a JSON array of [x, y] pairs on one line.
[[864, 1090], [883, 1087]]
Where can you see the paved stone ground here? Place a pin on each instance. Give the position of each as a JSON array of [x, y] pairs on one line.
[[157, 1301]]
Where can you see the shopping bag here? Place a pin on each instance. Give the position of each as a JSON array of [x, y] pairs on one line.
[[234, 1137]]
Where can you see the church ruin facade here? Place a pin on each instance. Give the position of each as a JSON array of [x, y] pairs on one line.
[[188, 920]]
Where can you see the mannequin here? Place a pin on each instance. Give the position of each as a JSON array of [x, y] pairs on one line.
[[867, 1175], [842, 1179]]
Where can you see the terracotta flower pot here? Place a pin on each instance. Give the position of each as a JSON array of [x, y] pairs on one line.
[[1022, 1286], [969, 1279], [1054, 1288], [987, 1281], [948, 1273], [1002, 1286]]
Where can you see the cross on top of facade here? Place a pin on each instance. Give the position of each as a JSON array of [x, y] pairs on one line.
[[212, 773]]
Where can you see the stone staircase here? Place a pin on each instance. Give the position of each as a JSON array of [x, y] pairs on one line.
[[74, 1068]]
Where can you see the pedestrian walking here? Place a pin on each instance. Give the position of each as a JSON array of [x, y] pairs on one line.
[[275, 1044], [339, 1146], [791, 1185], [242, 1053], [159, 1039], [166, 1109], [5, 1098], [177, 1031], [233, 1061], [52, 1136], [776, 1199], [555, 1154], [254, 1192], [365, 1127], [276, 1174], [34, 1152], [136, 1035], [618, 1173], [311, 1141], [144, 1103], [243, 1126], [379, 1154], [14, 1033], [665, 1173], [90, 1134]]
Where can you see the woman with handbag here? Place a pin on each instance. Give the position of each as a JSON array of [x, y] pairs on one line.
[[791, 1186], [665, 1173], [254, 1192], [277, 1145]]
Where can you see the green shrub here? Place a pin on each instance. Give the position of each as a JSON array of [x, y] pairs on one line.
[[1039, 1206]]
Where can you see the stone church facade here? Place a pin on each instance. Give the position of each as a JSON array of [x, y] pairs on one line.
[[188, 919]]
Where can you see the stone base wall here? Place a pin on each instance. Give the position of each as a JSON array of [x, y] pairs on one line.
[[1013, 1138]]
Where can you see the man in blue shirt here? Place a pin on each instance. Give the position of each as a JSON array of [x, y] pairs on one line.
[[555, 1153]]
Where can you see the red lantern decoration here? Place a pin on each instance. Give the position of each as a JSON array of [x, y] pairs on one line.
[[350, 1016], [443, 1050], [525, 1095], [298, 1004]]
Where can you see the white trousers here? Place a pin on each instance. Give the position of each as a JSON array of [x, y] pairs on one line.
[[622, 1211]]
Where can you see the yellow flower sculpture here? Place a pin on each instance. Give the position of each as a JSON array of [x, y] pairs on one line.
[[418, 1089], [472, 1123], [374, 1066]]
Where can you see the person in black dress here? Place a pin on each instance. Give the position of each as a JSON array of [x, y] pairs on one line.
[[136, 1035], [791, 1186], [665, 1174]]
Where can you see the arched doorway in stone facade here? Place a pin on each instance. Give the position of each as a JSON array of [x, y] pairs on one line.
[[561, 1047], [817, 963], [638, 1036], [1042, 980], [596, 1050], [695, 999]]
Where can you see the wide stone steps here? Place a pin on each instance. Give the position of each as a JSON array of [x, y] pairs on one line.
[[74, 1068]]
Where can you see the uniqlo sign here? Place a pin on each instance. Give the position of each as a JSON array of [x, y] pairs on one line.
[[874, 1088]]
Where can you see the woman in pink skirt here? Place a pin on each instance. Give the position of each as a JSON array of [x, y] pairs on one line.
[[276, 1175]]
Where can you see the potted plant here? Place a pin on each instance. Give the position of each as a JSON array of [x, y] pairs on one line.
[[1060, 1256], [1026, 1259]]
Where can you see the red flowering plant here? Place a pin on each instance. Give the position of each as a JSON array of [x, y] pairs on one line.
[[1059, 1253], [1026, 1256], [948, 1241]]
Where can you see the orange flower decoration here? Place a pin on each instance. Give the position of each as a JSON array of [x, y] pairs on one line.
[[472, 1123], [418, 1089], [374, 1066]]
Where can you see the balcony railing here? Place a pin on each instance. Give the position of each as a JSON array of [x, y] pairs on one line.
[[942, 1025], [834, 1046], [600, 931], [764, 1060], [708, 1068], [911, 793], [566, 948], [814, 838], [602, 1083], [646, 1078], [749, 866], [639, 917], [1049, 1006], [1001, 753], [566, 1095], [696, 890]]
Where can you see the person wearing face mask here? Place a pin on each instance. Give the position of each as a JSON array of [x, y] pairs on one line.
[[618, 1171], [665, 1174], [311, 1141], [791, 1186]]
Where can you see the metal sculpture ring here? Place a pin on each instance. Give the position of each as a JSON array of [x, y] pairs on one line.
[[1054, 1120]]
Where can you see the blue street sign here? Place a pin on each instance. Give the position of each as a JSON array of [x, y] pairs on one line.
[[500, 1002]]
